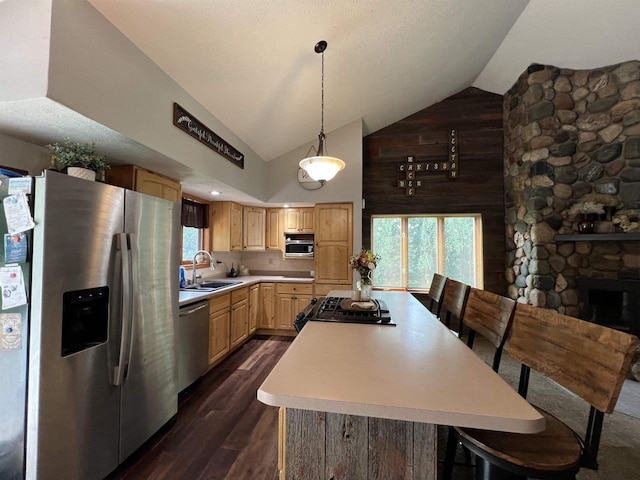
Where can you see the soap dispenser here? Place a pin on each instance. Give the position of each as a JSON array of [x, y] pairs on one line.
[[232, 272]]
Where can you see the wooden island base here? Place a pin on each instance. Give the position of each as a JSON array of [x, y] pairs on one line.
[[333, 446]]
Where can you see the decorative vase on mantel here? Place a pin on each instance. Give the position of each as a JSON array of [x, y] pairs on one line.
[[365, 286], [586, 223]]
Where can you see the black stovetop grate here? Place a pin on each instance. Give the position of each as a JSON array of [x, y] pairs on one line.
[[330, 310]]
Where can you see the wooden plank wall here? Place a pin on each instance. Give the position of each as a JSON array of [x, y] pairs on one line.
[[477, 116]]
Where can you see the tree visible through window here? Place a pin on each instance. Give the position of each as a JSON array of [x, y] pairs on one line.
[[413, 248], [191, 242]]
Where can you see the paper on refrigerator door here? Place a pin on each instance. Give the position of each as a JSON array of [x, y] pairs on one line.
[[12, 284], [10, 331], [16, 211]]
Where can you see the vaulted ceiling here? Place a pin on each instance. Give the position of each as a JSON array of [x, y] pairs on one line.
[[252, 64]]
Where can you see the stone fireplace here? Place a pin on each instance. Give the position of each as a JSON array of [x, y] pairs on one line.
[[570, 136]]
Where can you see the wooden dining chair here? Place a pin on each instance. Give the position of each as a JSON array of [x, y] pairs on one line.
[[489, 315], [454, 300], [436, 289], [587, 359]]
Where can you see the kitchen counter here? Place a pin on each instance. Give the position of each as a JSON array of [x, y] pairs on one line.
[[245, 280], [417, 371], [362, 391]]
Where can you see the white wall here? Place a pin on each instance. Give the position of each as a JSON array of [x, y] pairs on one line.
[[344, 143], [96, 71], [25, 156], [24, 26]]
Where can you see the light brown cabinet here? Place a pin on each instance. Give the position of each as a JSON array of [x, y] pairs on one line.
[[239, 316], [219, 319], [334, 244], [254, 307], [144, 181], [299, 220], [254, 228], [291, 299], [275, 229], [267, 313], [226, 226]]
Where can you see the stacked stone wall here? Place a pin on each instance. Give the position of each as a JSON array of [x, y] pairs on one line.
[[570, 136]]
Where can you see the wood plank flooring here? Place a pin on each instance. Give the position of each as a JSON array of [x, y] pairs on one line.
[[221, 431]]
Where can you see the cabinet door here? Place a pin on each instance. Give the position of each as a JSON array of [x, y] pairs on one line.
[[291, 222], [285, 311], [218, 335], [254, 228], [239, 322], [254, 308], [275, 229], [158, 186], [333, 236], [236, 227], [305, 219], [301, 302], [267, 311]]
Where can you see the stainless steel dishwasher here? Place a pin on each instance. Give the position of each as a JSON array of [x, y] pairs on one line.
[[192, 333]]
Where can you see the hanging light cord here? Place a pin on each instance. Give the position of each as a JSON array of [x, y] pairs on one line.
[[322, 97]]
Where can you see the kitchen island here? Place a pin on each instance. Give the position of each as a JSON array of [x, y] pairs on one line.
[[363, 401]]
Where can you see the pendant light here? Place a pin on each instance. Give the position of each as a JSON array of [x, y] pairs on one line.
[[321, 167]]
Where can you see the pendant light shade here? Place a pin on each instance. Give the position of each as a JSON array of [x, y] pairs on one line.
[[321, 167]]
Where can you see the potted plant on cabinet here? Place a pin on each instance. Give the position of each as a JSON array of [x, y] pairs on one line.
[[80, 160]]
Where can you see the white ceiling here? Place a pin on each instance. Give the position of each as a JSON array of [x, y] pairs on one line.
[[252, 65]]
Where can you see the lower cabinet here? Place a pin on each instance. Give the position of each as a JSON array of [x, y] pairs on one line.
[[254, 307], [239, 316], [291, 299], [219, 318], [267, 310]]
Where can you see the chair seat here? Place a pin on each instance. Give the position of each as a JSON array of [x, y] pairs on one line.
[[556, 449]]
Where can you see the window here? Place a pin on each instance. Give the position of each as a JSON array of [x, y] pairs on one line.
[[194, 220], [415, 247]]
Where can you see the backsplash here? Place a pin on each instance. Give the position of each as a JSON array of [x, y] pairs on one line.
[[260, 262]]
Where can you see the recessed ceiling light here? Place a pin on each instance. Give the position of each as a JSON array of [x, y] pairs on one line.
[[286, 205], [215, 192]]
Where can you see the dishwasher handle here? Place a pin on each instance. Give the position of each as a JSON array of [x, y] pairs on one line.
[[184, 313]]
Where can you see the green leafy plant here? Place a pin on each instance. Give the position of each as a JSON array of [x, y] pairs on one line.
[[74, 154]]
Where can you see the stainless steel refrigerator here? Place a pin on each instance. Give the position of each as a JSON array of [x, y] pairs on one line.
[[101, 370]]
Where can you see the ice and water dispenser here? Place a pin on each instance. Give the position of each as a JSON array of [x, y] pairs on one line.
[[85, 319]]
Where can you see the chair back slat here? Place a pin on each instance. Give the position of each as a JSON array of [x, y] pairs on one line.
[[454, 298], [437, 287], [489, 315], [588, 359]]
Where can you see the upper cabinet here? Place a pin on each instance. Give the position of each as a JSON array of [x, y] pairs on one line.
[[275, 229], [144, 181], [254, 228], [299, 220], [334, 239], [226, 226]]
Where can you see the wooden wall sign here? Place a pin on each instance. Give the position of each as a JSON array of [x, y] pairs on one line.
[[411, 168], [191, 125]]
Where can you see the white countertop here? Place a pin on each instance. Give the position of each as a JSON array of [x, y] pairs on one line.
[[417, 371], [187, 297]]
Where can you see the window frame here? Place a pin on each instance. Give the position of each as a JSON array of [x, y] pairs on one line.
[[440, 218], [205, 234]]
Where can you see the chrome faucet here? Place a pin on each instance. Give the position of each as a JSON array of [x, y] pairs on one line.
[[195, 257]]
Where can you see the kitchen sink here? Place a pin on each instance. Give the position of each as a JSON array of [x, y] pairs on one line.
[[208, 286]]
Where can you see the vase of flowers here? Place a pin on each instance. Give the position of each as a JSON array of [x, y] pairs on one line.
[[365, 262], [585, 215]]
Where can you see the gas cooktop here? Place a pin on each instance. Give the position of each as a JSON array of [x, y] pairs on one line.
[[341, 309]]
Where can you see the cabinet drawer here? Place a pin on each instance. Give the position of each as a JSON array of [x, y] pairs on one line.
[[239, 295], [300, 288], [219, 303]]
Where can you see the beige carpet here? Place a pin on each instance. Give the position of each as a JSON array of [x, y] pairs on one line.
[[619, 457]]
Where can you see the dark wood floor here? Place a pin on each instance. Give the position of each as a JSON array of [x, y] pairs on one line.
[[221, 430]]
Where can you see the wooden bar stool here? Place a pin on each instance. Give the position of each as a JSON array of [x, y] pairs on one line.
[[454, 300], [587, 359], [489, 315], [435, 293]]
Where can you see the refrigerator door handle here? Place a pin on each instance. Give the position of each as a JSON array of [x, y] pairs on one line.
[[134, 281], [125, 337]]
